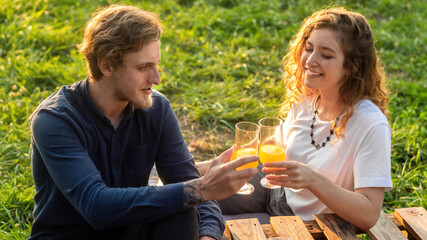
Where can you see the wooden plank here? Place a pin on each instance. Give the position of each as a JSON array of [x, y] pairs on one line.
[[227, 234], [245, 229], [415, 221], [385, 229], [291, 226], [396, 221], [335, 228], [317, 232], [313, 228], [268, 231]]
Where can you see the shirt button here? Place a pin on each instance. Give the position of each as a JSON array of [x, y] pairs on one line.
[[115, 164]]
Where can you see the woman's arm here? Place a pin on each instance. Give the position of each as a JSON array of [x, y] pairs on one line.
[[361, 208]]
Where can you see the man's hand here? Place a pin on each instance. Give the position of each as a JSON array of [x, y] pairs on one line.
[[220, 181], [203, 166]]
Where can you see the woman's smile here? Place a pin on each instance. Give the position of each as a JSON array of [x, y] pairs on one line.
[[310, 73]]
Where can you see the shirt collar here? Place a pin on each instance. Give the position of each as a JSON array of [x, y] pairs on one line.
[[87, 99]]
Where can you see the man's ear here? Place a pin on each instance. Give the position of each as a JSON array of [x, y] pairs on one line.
[[105, 67]]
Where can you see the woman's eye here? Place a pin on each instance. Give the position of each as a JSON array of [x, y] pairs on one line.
[[308, 50], [326, 56]]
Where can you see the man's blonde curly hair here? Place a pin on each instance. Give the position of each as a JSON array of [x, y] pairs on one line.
[[114, 31]]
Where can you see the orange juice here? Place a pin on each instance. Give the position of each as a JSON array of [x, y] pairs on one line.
[[271, 153], [244, 152]]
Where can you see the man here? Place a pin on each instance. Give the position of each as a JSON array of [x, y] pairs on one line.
[[95, 142]]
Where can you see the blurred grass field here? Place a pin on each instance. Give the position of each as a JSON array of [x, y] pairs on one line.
[[221, 63]]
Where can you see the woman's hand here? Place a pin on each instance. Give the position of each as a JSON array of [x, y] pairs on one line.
[[290, 174], [365, 202]]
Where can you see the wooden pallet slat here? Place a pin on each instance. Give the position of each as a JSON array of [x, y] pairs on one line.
[[268, 230], [412, 221], [246, 229], [291, 226], [335, 228], [385, 229], [415, 221]]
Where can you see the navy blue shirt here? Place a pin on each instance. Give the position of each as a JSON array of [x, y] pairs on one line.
[[92, 177]]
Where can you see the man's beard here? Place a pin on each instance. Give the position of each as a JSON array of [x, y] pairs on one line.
[[136, 103], [144, 104]]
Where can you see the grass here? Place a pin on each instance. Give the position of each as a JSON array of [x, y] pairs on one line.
[[221, 63]]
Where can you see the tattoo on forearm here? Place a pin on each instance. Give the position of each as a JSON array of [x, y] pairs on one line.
[[192, 193]]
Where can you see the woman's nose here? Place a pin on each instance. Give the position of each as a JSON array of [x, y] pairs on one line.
[[311, 60]]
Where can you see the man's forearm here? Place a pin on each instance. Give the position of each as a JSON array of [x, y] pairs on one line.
[[192, 192]]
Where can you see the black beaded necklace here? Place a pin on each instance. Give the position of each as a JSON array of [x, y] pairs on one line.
[[328, 138]]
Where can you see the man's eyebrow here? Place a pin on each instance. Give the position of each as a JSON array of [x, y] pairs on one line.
[[147, 63]]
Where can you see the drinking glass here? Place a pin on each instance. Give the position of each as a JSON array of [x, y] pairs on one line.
[[246, 144], [271, 147]]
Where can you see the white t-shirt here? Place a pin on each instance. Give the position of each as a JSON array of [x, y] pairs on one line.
[[360, 160]]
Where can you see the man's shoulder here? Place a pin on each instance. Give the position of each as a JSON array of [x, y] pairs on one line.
[[160, 101], [59, 101], [159, 109], [160, 96]]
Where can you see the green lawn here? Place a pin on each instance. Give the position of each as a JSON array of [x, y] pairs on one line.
[[221, 63]]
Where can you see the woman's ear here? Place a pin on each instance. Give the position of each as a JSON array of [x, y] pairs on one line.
[[105, 67]]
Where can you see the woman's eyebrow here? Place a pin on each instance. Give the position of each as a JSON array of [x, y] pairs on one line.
[[328, 49], [322, 47]]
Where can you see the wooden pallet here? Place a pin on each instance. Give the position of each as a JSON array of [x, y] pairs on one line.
[[405, 223]]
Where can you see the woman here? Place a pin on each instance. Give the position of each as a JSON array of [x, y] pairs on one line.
[[336, 131]]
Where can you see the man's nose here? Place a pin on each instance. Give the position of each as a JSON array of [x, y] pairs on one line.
[[155, 77]]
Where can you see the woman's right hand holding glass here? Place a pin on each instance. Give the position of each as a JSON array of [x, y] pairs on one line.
[[290, 174]]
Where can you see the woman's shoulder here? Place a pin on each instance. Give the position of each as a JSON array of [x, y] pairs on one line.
[[306, 102], [366, 112], [302, 107], [367, 106]]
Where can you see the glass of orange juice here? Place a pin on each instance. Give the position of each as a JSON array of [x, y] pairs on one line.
[[271, 147], [246, 144]]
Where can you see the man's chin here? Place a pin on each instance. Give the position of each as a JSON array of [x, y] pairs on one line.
[[143, 104]]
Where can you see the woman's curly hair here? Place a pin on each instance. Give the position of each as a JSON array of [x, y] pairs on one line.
[[366, 78]]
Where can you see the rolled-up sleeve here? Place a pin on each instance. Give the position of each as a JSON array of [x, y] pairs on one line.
[[211, 220]]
